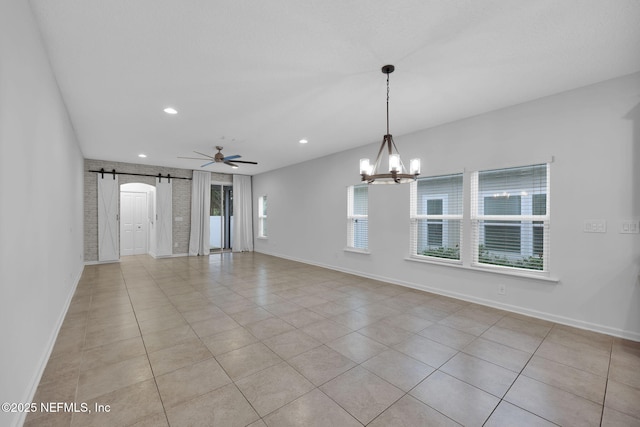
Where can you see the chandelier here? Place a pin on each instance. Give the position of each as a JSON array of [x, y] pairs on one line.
[[397, 173]]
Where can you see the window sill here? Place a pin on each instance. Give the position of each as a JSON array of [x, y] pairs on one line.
[[535, 276], [262, 237], [436, 260], [357, 251]]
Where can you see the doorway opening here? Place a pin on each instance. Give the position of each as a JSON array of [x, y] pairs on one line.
[[221, 218], [137, 209]]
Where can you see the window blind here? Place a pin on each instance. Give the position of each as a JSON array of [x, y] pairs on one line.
[[262, 216], [510, 217], [436, 217], [358, 216]]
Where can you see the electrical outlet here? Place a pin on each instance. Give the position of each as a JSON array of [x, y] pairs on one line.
[[502, 289]]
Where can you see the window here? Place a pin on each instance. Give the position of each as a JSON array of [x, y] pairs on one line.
[[436, 217], [358, 217], [262, 216], [510, 217]]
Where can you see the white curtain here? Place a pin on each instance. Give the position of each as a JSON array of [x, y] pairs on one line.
[[200, 204], [242, 214]]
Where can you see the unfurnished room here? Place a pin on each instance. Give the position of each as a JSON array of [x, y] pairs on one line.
[[319, 213]]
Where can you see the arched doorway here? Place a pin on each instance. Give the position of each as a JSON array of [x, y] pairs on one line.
[[159, 214]]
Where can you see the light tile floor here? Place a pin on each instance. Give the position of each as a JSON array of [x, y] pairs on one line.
[[249, 339]]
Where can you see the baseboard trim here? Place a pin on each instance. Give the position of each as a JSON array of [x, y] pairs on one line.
[[101, 262], [52, 341], [616, 332], [154, 256]]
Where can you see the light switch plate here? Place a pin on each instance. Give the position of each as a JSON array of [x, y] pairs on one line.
[[595, 226], [630, 226]]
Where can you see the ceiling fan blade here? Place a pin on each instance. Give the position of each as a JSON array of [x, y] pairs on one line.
[[233, 165], [192, 158], [235, 156], [242, 161], [207, 164], [206, 155]]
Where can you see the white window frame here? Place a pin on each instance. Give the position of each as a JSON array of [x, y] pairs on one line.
[[526, 218], [262, 217], [415, 218], [352, 219]]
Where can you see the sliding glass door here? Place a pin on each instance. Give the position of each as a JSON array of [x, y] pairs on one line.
[[221, 217]]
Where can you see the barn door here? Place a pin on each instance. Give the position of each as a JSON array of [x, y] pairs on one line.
[[164, 225], [108, 191]]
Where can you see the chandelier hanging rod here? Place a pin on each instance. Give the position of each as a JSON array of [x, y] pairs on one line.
[[388, 69]]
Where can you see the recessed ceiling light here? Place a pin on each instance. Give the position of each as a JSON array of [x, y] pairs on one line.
[[303, 141], [142, 155], [170, 110]]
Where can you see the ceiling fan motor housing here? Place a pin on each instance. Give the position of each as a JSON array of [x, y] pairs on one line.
[[219, 157]]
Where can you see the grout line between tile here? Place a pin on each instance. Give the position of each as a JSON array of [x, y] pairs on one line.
[[516, 379], [606, 384], [153, 374]]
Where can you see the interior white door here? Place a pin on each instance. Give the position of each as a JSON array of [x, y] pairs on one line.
[[140, 223], [133, 223], [126, 224], [108, 190], [164, 224]]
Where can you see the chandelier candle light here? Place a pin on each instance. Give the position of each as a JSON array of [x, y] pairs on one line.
[[397, 172]]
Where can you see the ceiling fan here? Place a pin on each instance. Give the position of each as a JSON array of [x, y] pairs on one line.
[[219, 158]]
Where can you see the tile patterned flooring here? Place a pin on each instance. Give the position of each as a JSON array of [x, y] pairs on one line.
[[253, 340]]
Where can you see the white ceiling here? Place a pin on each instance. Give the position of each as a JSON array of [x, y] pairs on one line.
[[257, 76]]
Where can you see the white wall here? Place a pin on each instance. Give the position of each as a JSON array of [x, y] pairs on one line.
[[41, 193], [593, 134]]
